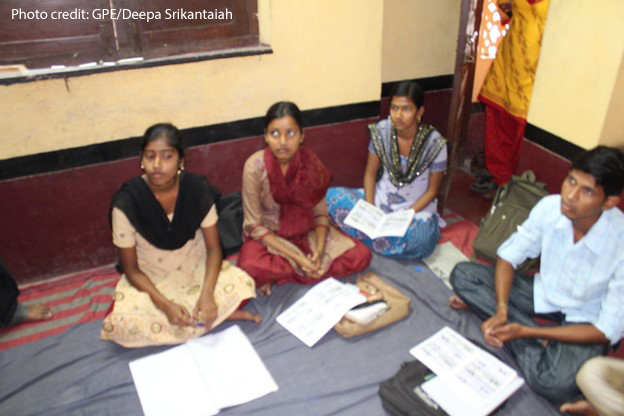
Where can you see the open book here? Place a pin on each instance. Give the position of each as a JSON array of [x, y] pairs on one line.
[[375, 223], [201, 376], [469, 381]]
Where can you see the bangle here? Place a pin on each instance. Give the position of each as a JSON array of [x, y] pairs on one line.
[[501, 304]]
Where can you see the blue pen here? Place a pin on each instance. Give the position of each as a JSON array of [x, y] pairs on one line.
[[200, 324]]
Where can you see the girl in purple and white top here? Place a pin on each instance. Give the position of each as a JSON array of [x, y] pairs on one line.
[[405, 169]]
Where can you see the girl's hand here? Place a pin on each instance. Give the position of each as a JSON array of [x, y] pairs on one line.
[[205, 311], [308, 267], [317, 256], [177, 314]]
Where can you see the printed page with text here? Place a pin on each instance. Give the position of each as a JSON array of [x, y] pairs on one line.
[[375, 223]]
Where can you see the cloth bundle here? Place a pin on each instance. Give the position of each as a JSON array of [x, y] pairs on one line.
[[377, 289]]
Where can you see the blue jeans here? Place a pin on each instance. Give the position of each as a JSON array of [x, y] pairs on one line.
[[550, 371]]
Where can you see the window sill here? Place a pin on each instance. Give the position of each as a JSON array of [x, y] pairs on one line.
[[30, 75]]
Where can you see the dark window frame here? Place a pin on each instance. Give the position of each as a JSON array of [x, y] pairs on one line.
[[106, 43]]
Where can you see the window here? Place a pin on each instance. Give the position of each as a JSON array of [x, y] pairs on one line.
[[41, 33]]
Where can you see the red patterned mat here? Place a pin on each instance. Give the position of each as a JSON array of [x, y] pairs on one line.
[[74, 299]]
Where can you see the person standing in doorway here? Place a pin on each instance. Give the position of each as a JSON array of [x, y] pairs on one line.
[[507, 89]]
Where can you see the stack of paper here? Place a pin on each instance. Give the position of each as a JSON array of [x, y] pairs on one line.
[[470, 381], [443, 259], [201, 376], [320, 309]]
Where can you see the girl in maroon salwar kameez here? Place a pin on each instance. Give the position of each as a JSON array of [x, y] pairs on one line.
[[288, 237]]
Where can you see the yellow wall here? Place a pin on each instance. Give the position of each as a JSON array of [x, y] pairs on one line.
[[579, 84], [613, 129], [326, 53], [419, 38]]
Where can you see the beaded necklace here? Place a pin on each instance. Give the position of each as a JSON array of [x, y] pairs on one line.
[[419, 158]]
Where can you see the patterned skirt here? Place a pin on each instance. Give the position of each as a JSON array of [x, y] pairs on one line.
[[419, 241], [136, 321]]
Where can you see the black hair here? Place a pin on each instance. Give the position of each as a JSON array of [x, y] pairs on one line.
[[281, 109], [606, 165], [411, 90], [169, 132]]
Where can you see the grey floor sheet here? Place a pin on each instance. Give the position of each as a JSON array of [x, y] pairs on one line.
[[77, 374]]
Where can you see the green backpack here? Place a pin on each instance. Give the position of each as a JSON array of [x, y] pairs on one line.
[[510, 207]]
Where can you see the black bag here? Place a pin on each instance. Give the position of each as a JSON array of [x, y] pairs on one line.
[[401, 394], [8, 296], [510, 207], [230, 223]]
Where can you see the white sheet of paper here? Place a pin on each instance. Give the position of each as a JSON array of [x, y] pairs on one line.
[[443, 351], [201, 376], [231, 368], [169, 383], [312, 316], [375, 223], [443, 260], [478, 381]]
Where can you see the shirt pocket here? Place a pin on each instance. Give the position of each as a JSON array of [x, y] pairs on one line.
[[589, 283]]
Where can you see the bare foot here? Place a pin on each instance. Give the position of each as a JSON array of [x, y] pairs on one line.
[[456, 303], [241, 315], [581, 407], [37, 312], [266, 289]]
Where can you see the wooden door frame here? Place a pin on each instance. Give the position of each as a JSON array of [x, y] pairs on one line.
[[463, 80]]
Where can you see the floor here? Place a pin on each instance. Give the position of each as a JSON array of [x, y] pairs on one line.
[[461, 200]]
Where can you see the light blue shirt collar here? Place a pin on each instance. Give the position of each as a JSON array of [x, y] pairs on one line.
[[594, 238]]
